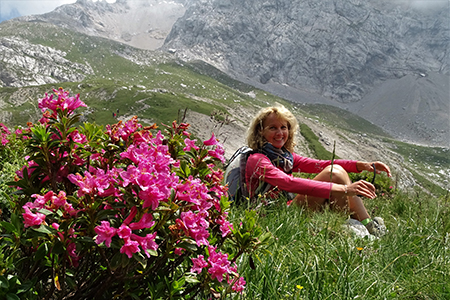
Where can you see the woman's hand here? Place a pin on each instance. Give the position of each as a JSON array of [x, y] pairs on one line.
[[379, 166], [359, 188]]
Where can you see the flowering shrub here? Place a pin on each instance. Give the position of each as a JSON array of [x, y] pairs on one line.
[[124, 213], [4, 132]]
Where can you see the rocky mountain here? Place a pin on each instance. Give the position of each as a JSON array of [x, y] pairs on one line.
[[385, 60]]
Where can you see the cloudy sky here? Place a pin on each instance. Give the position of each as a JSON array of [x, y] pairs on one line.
[[32, 7]]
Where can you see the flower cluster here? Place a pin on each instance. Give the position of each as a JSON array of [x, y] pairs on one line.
[[217, 266], [129, 191], [4, 132], [63, 101]]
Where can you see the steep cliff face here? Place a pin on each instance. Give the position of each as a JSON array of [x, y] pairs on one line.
[[339, 48], [342, 52]]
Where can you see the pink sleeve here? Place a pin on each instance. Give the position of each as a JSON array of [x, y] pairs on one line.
[[260, 168], [311, 165]]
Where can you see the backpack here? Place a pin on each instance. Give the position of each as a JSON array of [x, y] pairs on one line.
[[235, 175]]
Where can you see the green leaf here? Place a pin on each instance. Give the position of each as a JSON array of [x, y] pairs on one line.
[[177, 285], [4, 283], [141, 259], [58, 248], [103, 214], [265, 237], [8, 226], [45, 211], [17, 223], [86, 240], [188, 246], [192, 279], [45, 229], [11, 296], [24, 287], [116, 261], [184, 167], [41, 251], [152, 252]]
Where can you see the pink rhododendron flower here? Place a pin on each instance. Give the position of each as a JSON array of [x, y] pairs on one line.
[[63, 101], [218, 153], [123, 129], [190, 144], [211, 142], [151, 197], [219, 264], [124, 232], [131, 216], [32, 219], [196, 227], [194, 191], [104, 233], [59, 200], [130, 175], [225, 225], [239, 285], [198, 264], [68, 209], [130, 247], [73, 257], [86, 183], [78, 137], [145, 222], [4, 132], [146, 242]]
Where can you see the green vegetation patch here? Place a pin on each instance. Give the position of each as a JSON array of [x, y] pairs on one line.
[[342, 118], [313, 143]]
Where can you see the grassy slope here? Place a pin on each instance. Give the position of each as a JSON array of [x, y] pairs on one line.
[[314, 257]]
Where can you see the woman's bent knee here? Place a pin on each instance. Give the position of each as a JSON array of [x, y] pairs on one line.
[[336, 173]]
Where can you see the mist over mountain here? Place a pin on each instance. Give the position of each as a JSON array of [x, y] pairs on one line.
[[14, 13], [387, 61]]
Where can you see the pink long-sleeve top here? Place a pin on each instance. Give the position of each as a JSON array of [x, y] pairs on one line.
[[259, 168]]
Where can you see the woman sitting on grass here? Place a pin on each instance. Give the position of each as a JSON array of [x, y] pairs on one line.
[[271, 136]]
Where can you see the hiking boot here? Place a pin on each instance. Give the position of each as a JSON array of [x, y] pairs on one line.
[[376, 227]]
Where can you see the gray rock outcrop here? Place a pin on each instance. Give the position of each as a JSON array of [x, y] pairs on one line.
[[24, 64]]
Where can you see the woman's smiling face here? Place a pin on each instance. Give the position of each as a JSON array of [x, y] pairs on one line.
[[276, 130]]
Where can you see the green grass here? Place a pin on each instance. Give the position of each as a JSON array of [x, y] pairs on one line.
[[314, 145], [341, 118], [313, 257]]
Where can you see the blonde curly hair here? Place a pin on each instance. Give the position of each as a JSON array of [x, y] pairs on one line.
[[255, 138]]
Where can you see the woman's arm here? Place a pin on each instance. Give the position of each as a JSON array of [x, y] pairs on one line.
[[311, 165], [260, 168]]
